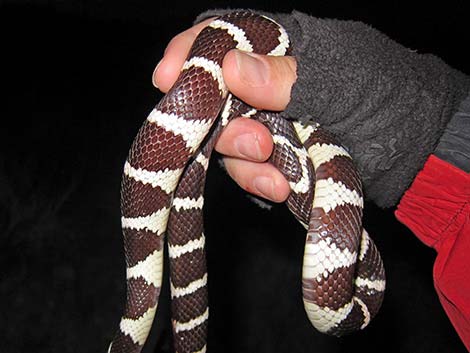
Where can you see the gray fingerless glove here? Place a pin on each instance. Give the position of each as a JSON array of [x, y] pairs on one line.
[[387, 104]]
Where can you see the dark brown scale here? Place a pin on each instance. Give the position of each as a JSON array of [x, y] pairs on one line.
[[188, 307], [337, 227], [144, 297], [321, 136], [257, 27], [185, 190], [333, 291], [142, 198], [288, 164], [140, 243], [238, 108], [150, 157], [191, 106], [341, 168], [185, 226], [214, 43], [184, 274]]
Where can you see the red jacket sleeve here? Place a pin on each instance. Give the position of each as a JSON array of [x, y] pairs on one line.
[[437, 209]]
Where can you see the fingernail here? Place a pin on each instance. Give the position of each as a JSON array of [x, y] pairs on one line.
[[265, 187], [248, 146], [154, 73], [252, 70]]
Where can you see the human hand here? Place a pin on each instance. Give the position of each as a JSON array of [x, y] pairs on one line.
[[264, 82]]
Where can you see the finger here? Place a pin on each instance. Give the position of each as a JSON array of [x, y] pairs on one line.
[[247, 139], [261, 179], [167, 70], [265, 82]]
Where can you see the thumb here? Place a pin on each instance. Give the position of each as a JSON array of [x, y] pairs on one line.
[[265, 82]]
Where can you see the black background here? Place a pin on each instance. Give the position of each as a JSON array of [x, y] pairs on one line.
[[76, 87]]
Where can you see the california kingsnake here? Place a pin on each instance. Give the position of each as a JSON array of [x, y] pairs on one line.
[[162, 193]]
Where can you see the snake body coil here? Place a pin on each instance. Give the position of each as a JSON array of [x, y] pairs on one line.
[[162, 194]]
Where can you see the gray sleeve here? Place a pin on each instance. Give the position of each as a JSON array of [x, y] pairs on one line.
[[454, 144], [386, 103]]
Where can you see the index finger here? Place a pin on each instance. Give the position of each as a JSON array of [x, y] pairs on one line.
[[167, 70]]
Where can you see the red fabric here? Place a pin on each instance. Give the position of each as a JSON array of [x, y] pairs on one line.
[[436, 208]]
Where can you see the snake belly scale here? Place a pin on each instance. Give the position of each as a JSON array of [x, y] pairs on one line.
[[343, 279]]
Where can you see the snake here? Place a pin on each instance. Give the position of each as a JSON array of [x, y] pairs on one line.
[[343, 278]]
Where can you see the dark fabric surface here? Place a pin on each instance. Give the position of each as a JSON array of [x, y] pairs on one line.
[[454, 144], [76, 82]]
